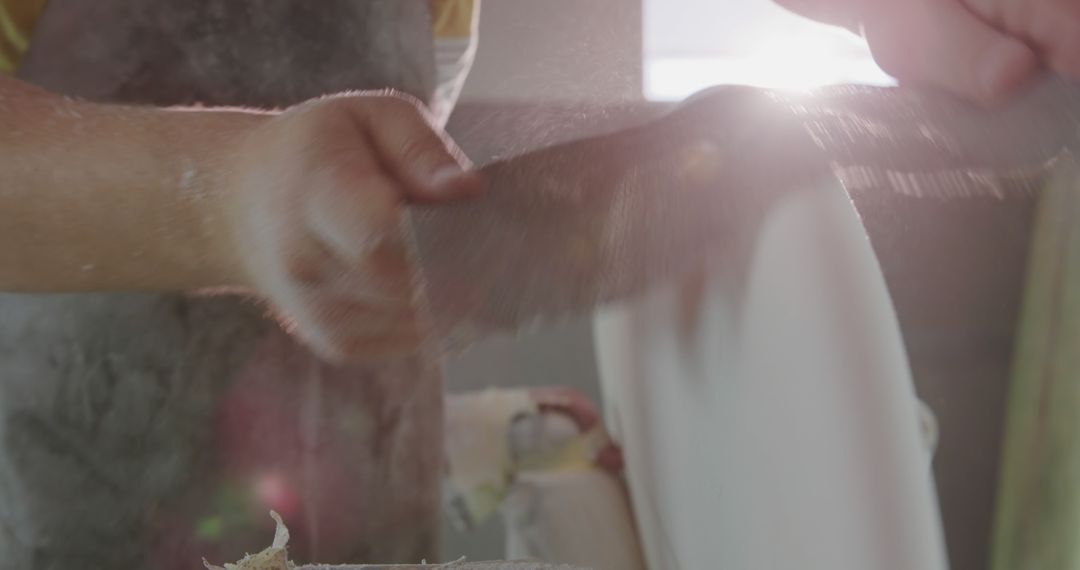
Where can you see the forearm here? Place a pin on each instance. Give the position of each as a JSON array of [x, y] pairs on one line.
[[96, 197]]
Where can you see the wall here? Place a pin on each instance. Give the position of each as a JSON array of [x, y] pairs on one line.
[[557, 50]]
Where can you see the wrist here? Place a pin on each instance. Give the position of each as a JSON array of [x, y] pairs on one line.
[[210, 201]]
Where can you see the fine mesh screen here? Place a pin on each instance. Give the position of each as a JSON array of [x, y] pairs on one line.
[[577, 224]]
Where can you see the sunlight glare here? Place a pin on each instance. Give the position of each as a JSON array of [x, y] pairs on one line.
[[787, 52]]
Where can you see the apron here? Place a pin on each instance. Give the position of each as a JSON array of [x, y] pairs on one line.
[[151, 430]]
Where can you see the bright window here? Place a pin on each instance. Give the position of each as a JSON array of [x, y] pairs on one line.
[[693, 44]]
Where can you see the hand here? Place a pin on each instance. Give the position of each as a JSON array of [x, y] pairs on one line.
[[983, 50], [312, 203]]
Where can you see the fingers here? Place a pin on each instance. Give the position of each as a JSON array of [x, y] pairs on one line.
[[352, 206], [358, 303], [352, 277], [390, 154], [942, 43], [1053, 26], [354, 327], [359, 313], [339, 267], [348, 318], [430, 165], [339, 339]]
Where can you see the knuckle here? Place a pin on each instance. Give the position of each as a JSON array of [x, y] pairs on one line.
[[366, 104], [402, 100], [396, 103], [323, 107]]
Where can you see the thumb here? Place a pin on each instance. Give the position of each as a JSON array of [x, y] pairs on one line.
[[941, 43], [428, 163]]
